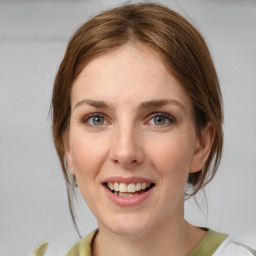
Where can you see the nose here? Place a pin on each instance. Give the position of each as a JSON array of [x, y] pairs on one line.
[[126, 147]]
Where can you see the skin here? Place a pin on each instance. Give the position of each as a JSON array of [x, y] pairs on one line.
[[130, 142]]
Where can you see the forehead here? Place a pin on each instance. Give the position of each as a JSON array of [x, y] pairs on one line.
[[132, 73], [130, 59]]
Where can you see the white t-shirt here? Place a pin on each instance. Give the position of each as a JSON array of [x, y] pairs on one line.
[[231, 248]]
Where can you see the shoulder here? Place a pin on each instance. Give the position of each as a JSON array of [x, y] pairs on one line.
[[40, 249], [218, 244], [230, 247], [84, 246], [81, 248]]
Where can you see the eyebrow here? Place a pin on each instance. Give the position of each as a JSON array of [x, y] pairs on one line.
[[161, 103], [143, 106], [93, 103]]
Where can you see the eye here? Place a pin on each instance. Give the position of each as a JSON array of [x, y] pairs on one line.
[[161, 119], [95, 119]]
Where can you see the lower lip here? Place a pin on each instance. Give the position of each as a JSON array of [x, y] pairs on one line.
[[128, 201]]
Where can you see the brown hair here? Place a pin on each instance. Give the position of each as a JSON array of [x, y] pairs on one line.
[[180, 46]]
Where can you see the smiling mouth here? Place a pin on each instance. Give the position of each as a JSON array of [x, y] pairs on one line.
[[128, 190]]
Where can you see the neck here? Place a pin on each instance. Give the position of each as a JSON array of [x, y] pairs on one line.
[[177, 238]]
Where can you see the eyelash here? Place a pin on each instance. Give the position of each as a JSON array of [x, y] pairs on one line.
[[166, 116], [87, 118]]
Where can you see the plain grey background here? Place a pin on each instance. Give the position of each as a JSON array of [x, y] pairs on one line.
[[33, 37]]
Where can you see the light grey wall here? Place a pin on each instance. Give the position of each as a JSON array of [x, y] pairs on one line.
[[33, 36]]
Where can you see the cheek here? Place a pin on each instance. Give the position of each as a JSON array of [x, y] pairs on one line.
[[88, 156], [172, 158], [87, 153]]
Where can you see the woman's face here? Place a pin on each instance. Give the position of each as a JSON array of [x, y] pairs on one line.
[[131, 131]]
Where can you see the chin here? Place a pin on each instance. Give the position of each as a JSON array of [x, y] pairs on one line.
[[129, 232], [129, 227]]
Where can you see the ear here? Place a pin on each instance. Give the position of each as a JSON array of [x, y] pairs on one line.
[[68, 156], [202, 148]]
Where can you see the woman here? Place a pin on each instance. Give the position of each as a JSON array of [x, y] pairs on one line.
[[137, 118]]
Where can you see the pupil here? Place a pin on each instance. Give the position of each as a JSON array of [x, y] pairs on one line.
[[159, 120], [97, 120]]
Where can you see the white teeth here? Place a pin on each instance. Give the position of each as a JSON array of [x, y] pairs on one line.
[[138, 187], [130, 188], [116, 186], [111, 185], [123, 187], [126, 194], [144, 185]]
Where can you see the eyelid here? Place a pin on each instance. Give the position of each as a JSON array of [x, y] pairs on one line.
[[94, 114], [170, 118]]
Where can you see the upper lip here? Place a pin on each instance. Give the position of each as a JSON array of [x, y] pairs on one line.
[[127, 180]]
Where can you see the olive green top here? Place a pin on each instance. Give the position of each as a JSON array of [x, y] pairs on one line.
[[207, 246]]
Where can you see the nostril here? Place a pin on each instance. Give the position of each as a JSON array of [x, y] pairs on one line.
[[126, 162]]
